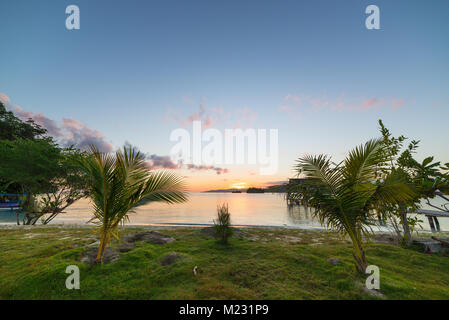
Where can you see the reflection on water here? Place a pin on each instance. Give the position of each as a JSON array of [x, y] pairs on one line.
[[246, 209], [299, 215]]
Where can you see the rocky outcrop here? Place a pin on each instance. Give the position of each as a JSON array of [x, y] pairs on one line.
[[210, 232], [89, 257], [148, 236], [171, 258]]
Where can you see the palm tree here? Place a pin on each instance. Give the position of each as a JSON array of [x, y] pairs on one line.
[[118, 183], [344, 194]]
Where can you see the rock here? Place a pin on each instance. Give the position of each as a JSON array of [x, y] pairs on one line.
[[171, 258], [93, 244], [149, 236], [110, 255], [210, 232], [126, 247], [334, 261]]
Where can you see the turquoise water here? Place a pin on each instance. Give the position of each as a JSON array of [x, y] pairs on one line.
[[246, 209]]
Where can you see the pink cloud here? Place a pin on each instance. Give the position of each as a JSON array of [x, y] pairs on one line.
[[293, 98], [397, 103], [4, 99], [160, 162], [217, 170], [50, 125], [207, 120], [82, 136], [69, 133], [370, 103]]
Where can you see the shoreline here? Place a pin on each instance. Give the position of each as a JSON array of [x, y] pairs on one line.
[[156, 225], [181, 226]]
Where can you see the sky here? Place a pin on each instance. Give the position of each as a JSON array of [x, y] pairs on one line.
[[137, 70]]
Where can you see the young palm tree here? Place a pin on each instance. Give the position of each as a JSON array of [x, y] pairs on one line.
[[120, 182], [344, 194]]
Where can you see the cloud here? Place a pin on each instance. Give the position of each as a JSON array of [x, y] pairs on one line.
[[363, 105], [40, 119], [217, 170], [82, 136], [211, 116], [293, 98], [207, 120], [4, 99], [165, 162], [292, 104], [246, 118], [160, 162], [396, 104], [69, 133]]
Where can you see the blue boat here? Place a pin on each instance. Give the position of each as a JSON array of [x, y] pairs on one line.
[[11, 201]]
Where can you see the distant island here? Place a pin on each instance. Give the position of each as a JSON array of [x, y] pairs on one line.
[[226, 190], [269, 189]]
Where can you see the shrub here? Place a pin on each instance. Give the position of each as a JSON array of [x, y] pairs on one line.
[[222, 225]]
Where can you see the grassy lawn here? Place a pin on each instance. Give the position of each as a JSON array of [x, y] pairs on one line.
[[266, 264]]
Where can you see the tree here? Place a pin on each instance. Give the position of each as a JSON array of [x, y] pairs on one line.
[[344, 194], [425, 178], [45, 173], [119, 183], [33, 163], [12, 128], [67, 185]]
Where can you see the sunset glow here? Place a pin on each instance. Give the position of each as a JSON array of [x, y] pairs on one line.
[[239, 185]]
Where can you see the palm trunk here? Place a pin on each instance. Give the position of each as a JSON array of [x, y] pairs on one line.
[[359, 253], [407, 238], [360, 258], [104, 240]]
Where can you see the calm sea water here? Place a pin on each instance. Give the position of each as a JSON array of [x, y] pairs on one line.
[[246, 210]]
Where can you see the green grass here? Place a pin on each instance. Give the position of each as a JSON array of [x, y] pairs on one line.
[[269, 264]]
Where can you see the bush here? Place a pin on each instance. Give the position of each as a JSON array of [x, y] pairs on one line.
[[222, 225]]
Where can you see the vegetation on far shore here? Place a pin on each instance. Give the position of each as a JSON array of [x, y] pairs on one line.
[[269, 263]]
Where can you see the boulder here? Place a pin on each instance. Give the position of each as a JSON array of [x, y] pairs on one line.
[[110, 255], [148, 236], [210, 232], [126, 247], [171, 258]]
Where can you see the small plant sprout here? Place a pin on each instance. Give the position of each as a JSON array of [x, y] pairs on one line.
[[223, 223]]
